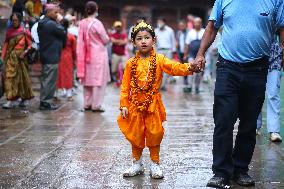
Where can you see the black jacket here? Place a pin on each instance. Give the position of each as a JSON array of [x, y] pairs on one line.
[[52, 38]]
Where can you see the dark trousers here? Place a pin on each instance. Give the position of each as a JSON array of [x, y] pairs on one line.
[[239, 93], [49, 75]]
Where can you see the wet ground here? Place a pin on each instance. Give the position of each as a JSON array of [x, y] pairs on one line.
[[68, 148]]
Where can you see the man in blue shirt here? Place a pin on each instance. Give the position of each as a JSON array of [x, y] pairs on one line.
[[248, 29]]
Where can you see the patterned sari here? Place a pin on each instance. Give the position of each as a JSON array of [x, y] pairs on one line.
[[17, 81]]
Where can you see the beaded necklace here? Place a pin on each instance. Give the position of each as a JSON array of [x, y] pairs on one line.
[[147, 88]]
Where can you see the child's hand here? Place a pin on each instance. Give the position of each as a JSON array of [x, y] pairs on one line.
[[124, 112], [195, 67]]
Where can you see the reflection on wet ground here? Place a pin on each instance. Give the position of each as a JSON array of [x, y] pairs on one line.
[[68, 148]]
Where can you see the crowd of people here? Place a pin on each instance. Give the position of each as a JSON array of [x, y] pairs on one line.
[[244, 63]]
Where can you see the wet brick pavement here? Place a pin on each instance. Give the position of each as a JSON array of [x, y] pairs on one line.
[[68, 148]]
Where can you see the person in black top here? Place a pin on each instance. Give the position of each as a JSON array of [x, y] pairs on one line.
[[52, 38]]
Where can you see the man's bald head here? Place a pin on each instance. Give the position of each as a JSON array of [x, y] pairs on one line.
[[51, 11], [197, 23]]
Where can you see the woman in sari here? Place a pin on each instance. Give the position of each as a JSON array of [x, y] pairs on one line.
[[17, 82]]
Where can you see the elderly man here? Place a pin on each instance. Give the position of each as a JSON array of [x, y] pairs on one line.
[[248, 30], [52, 38]]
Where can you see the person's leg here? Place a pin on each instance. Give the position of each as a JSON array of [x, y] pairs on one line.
[[136, 152], [137, 167], [225, 113], [273, 101], [252, 95], [114, 66], [198, 78], [48, 82], [98, 96], [87, 97], [154, 134], [155, 154]]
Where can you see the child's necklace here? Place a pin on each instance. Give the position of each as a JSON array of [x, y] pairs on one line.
[[145, 82]]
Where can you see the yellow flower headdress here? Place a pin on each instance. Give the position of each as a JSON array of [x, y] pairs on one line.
[[141, 25]]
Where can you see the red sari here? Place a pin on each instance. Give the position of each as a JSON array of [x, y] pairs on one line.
[[67, 63]]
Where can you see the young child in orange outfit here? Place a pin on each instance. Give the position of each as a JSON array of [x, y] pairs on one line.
[[142, 110]]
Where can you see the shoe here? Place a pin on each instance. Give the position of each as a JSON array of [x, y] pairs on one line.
[[155, 171], [197, 90], [136, 168], [243, 179], [218, 182], [87, 109], [47, 106], [100, 110], [187, 90], [275, 137], [22, 104], [7, 105]]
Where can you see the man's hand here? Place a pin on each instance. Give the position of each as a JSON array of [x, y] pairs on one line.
[[124, 112]]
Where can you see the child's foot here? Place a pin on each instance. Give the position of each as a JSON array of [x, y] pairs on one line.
[[155, 171], [137, 168]]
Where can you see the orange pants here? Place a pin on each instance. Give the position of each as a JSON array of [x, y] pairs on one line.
[[154, 153]]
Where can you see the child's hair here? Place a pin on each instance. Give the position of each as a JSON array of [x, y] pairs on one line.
[[142, 26]]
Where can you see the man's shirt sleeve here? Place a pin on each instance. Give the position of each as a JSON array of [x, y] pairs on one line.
[[217, 14], [280, 14]]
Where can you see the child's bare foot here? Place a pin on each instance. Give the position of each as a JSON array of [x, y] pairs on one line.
[[137, 168]]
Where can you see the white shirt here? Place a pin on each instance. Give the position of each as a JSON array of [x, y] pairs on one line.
[[165, 38], [74, 30], [34, 35], [194, 35]]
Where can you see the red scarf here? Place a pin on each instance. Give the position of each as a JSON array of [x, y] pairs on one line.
[[13, 32]]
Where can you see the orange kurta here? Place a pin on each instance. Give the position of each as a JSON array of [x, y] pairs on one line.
[[147, 125]]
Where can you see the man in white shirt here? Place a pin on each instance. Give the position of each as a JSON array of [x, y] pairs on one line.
[[192, 42], [166, 43]]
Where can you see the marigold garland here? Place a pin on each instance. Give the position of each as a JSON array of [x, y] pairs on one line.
[[147, 89]]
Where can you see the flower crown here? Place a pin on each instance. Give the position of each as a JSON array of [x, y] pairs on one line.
[[142, 24]]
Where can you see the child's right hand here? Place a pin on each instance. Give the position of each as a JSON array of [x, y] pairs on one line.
[[124, 112]]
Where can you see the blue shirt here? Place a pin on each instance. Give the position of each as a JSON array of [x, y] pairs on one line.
[[248, 27]]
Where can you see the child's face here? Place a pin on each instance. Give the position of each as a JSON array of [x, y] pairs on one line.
[[144, 42]]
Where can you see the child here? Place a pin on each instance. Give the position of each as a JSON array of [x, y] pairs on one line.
[[142, 110]]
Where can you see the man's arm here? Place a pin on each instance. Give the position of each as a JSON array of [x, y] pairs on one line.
[[207, 39]]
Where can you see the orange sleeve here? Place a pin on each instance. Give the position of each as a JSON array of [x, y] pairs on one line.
[[125, 86], [174, 68]]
